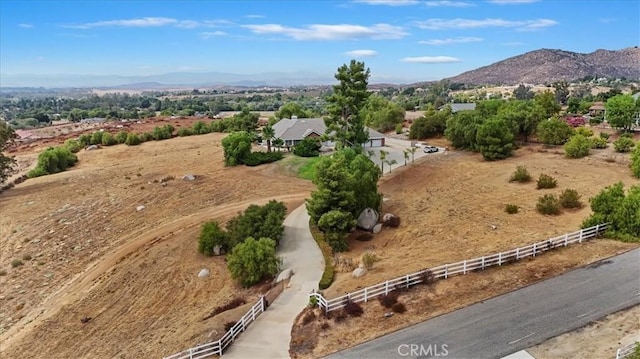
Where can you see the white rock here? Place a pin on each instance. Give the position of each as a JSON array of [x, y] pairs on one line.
[[284, 275], [204, 272], [140, 208], [358, 272], [377, 228]]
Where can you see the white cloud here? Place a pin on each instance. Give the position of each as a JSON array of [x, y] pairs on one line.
[[254, 16], [25, 26], [431, 60], [152, 22], [523, 25], [331, 32], [606, 20], [512, 2], [361, 53], [388, 2], [456, 40], [447, 3], [207, 35]]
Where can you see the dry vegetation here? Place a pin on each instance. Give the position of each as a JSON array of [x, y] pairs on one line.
[[449, 206], [134, 273]]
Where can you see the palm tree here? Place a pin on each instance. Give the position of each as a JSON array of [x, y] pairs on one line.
[[278, 142], [267, 134], [390, 163], [383, 158], [406, 156], [413, 153]]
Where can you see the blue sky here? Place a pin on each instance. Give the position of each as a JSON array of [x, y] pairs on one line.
[[401, 40]]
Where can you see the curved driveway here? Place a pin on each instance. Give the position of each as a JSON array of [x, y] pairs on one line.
[[269, 336], [517, 320]]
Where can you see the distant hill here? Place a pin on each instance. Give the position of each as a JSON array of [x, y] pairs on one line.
[[547, 66]]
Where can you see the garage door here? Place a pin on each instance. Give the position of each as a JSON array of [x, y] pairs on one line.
[[376, 142]]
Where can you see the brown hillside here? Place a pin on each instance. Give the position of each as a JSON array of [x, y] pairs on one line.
[[547, 65]]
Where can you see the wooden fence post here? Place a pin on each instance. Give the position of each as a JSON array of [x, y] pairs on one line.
[[580, 237], [386, 287], [482, 263], [407, 280], [365, 294], [464, 267], [446, 271], [190, 353], [243, 327], [566, 239], [500, 258], [597, 230], [517, 253], [534, 249]]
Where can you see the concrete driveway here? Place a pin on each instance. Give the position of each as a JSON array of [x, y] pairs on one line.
[[270, 335], [395, 149]]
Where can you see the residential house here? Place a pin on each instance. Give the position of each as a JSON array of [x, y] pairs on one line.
[[597, 109], [455, 107], [294, 130]]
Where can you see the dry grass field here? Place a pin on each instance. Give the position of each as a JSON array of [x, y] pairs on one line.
[[133, 272]]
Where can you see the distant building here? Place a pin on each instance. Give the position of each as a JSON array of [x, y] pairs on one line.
[[597, 109], [455, 107], [93, 120]]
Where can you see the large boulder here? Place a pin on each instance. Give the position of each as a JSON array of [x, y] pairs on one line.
[[204, 272], [358, 272], [188, 177], [377, 228], [284, 275], [367, 219]]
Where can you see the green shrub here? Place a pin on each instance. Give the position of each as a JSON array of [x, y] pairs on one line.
[[626, 135], [586, 132], [622, 211], [577, 147], [520, 175], [253, 261], [96, 138], [554, 131], [73, 146], [132, 139], [258, 221], [258, 158], [185, 132], [368, 259], [108, 139], [237, 147], [569, 198], [200, 128], [546, 181], [308, 147], [84, 139], [16, 263], [162, 132], [548, 204], [327, 254], [598, 142], [337, 241], [511, 208], [121, 137], [604, 135], [146, 136], [623, 144], [635, 162], [399, 128], [53, 160], [212, 235]]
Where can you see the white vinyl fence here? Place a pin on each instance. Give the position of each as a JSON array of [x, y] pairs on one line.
[[627, 351], [218, 347], [464, 267]]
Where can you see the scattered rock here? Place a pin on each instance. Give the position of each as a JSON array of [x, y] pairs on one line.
[[91, 148], [164, 184], [188, 177], [391, 220], [140, 208], [494, 227], [85, 320], [358, 272], [377, 228], [217, 250], [389, 314], [204, 272], [284, 275]]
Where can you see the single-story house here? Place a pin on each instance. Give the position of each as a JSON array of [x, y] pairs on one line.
[[455, 107], [294, 130], [596, 109]]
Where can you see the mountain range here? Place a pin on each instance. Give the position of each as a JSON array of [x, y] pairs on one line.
[[548, 66], [535, 67]]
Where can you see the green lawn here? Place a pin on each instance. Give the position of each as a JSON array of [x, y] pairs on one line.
[[303, 167]]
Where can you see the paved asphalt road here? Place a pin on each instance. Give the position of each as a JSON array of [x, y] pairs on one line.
[[517, 320]]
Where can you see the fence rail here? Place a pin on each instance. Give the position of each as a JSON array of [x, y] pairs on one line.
[[218, 347], [627, 351], [460, 268]]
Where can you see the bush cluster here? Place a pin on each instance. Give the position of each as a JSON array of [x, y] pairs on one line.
[[388, 300], [569, 198], [325, 248], [520, 175], [258, 158], [53, 160], [548, 204], [308, 147], [635, 162], [578, 146], [620, 210], [546, 181], [368, 259], [511, 208], [623, 144], [399, 308], [598, 142], [352, 308]]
